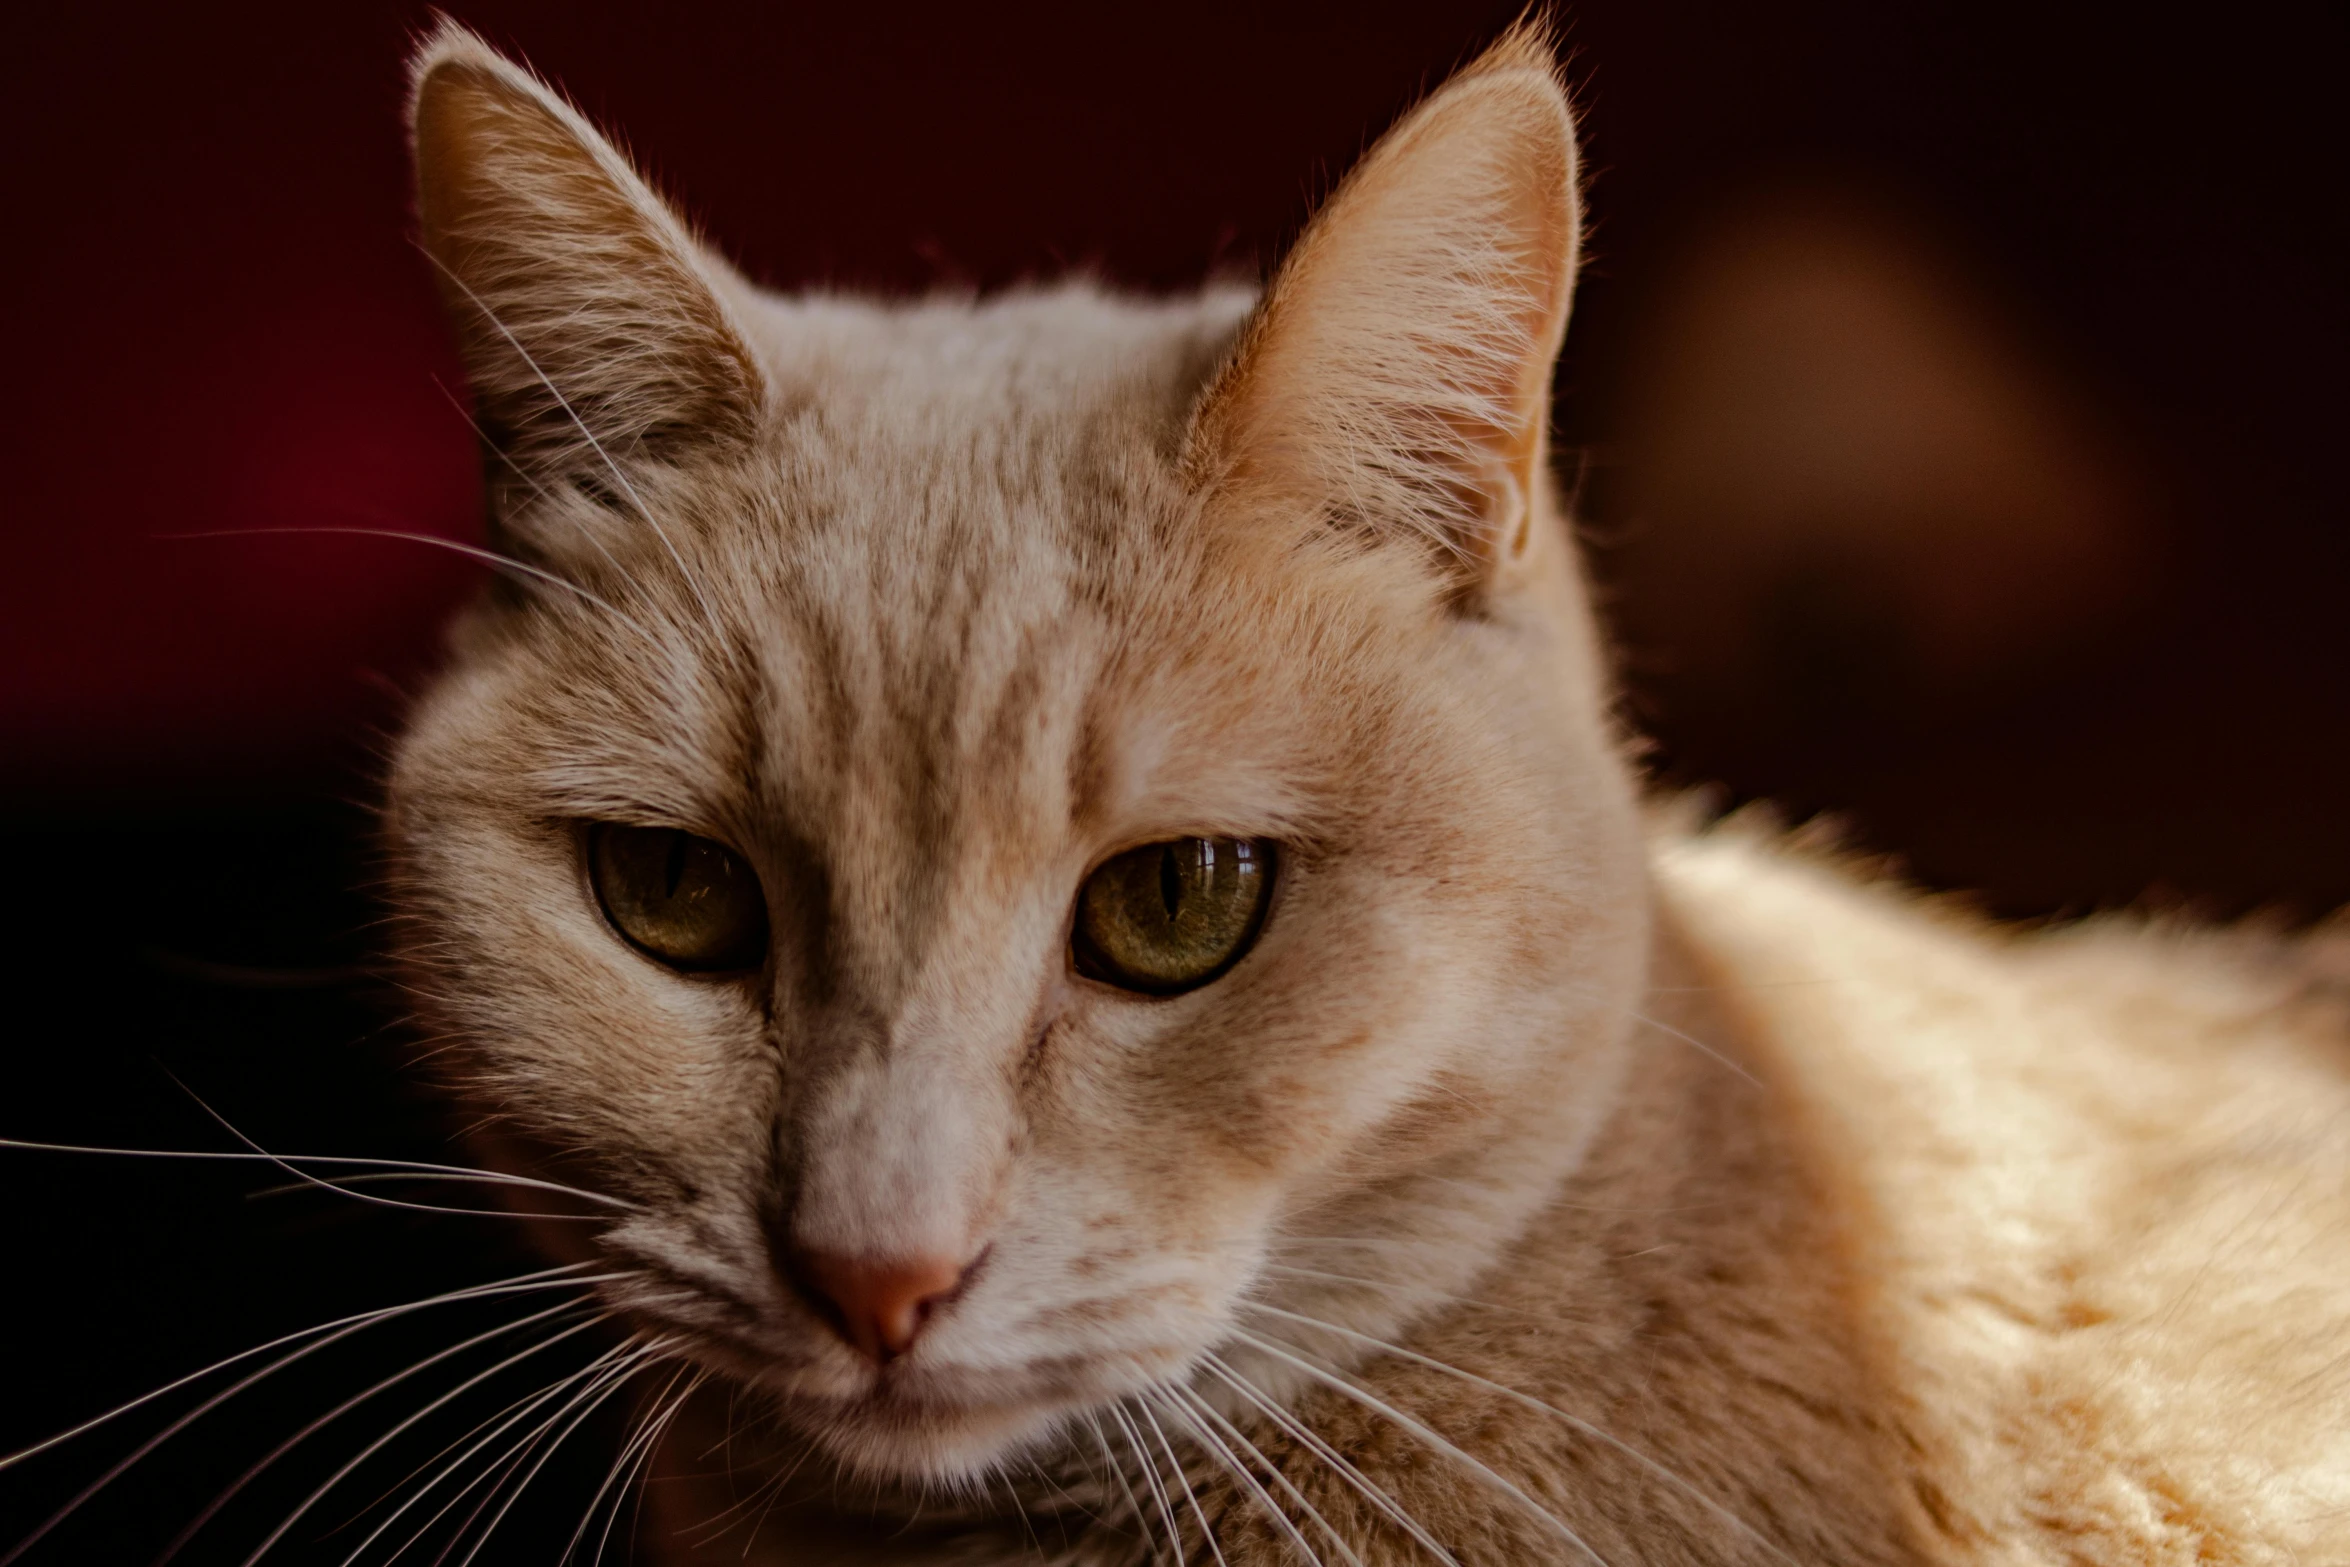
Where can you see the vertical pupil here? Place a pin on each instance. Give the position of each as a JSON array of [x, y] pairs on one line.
[[1170, 881], [677, 848]]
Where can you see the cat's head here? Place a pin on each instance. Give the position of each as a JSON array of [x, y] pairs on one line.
[[1011, 833]]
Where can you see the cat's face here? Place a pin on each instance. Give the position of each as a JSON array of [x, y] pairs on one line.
[[925, 617]]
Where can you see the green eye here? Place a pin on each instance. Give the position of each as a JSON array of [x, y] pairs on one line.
[[691, 903], [1172, 916]]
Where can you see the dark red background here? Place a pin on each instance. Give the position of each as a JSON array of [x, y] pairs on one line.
[[218, 323]]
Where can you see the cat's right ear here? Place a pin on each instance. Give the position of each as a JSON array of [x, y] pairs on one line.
[[594, 335], [1394, 386]]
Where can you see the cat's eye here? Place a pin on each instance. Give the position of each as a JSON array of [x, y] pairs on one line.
[[687, 901], [1171, 916]]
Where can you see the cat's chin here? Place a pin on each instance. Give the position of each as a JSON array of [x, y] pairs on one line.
[[943, 1432], [896, 1441]]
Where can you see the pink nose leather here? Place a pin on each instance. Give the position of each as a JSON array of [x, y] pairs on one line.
[[879, 1304]]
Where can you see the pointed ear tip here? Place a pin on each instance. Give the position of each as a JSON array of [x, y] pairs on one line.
[[1532, 41], [1523, 63], [445, 43], [450, 54], [1512, 104], [459, 87]]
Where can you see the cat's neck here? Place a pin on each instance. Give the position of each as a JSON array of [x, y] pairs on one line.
[[1670, 1351]]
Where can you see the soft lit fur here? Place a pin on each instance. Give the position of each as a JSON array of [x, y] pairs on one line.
[[1752, 1213]]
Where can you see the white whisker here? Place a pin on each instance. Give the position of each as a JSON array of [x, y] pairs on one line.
[[214, 1402], [623, 1461], [1207, 1532], [395, 1166], [635, 1483], [1299, 1431], [504, 563], [505, 1420], [1118, 1473], [388, 1177], [1580, 1424], [768, 1491], [527, 477], [581, 1384], [1151, 1478], [641, 1441], [1221, 1436], [614, 1381], [564, 403], [548, 1278], [1697, 1044], [346, 1406], [1433, 1439], [1397, 1287], [324, 1185], [483, 436]]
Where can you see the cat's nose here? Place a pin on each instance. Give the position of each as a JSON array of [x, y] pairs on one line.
[[878, 1304]]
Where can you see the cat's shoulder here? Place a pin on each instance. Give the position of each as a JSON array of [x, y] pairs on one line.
[[2096, 1182]]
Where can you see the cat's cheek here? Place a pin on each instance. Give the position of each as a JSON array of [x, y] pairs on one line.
[[580, 1039], [1130, 1147]]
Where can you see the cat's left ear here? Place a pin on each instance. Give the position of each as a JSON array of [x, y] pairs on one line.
[[1396, 379], [595, 334]]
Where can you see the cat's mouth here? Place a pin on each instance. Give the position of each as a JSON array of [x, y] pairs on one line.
[[939, 1424], [950, 1422], [920, 1419], [970, 1391]]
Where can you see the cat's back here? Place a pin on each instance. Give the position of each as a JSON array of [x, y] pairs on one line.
[[2096, 1183]]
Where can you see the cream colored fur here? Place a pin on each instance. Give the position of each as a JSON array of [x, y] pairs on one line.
[[1540, 1188], [2096, 1184]]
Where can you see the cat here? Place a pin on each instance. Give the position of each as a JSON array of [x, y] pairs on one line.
[[1063, 870]]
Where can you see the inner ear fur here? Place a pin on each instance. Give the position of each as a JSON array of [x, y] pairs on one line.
[[1396, 378], [582, 305]]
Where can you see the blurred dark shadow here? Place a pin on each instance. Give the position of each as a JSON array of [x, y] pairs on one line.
[[1955, 403]]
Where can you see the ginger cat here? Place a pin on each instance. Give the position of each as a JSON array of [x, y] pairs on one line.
[[1063, 866]]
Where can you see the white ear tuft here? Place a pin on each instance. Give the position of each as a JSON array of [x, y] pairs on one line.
[[1396, 378], [586, 311]]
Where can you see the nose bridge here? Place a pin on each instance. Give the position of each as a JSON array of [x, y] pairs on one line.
[[899, 1148], [904, 1107], [908, 893]]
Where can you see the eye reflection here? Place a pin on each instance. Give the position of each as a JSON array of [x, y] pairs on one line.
[[692, 903], [1169, 917]]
